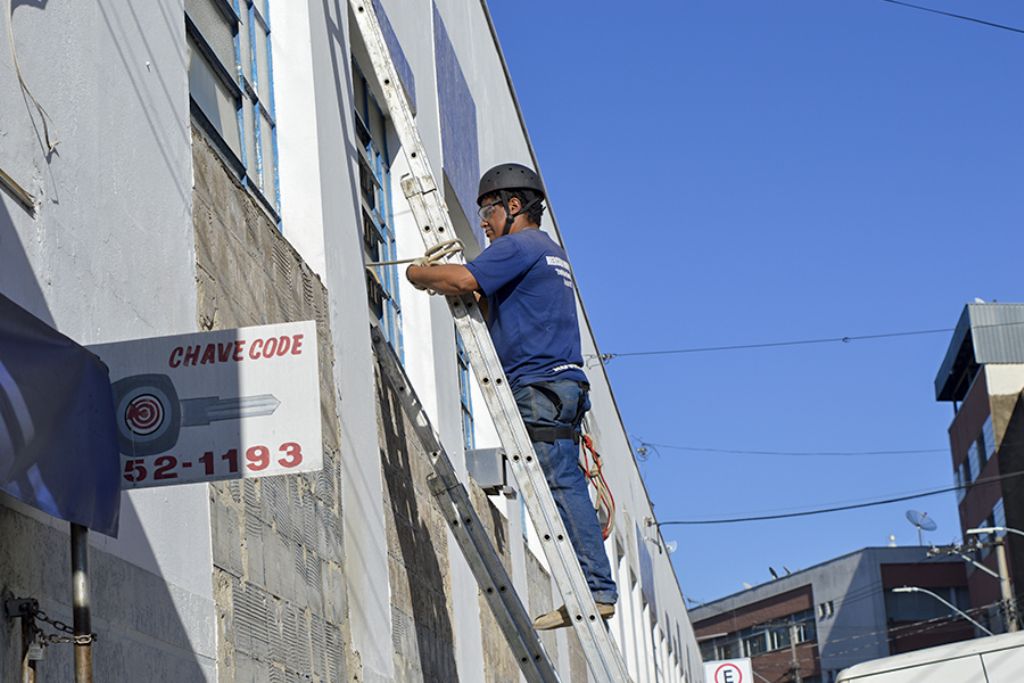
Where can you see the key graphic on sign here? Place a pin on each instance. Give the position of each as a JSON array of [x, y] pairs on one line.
[[150, 415]]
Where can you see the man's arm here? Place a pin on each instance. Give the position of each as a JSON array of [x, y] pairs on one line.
[[444, 279]]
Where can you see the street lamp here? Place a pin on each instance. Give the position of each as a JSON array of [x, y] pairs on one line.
[[993, 529], [1005, 589], [915, 589]]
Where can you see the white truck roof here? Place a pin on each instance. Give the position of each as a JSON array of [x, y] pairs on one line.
[[994, 659]]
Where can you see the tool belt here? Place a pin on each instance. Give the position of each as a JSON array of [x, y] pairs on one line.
[[552, 434]]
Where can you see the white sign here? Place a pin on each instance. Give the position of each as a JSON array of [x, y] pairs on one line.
[[230, 404], [729, 671]]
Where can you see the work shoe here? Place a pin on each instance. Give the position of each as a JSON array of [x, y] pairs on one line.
[[559, 618]]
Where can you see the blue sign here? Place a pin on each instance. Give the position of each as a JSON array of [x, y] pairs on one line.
[[58, 438]]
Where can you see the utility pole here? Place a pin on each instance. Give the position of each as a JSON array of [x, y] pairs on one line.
[[792, 649], [1005, 589]]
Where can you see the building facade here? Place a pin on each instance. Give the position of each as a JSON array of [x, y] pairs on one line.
[[211, 164], [982, 376], [836, 614]]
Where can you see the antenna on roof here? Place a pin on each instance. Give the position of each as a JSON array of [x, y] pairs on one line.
[[921, 521]]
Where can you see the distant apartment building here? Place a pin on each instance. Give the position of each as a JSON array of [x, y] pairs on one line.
[[836, 614], [982, 375]]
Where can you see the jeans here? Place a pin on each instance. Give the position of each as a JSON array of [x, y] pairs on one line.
[[562, 403]]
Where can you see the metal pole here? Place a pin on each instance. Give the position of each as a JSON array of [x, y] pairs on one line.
[[80, 602], [28, 666], [1005, 589], [792, 649]]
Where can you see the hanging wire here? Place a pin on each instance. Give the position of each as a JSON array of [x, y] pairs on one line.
[[647, 446], [606, 357], [840, 508], [974, 20]]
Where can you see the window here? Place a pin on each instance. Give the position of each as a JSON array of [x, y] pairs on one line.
[[766, 637], [988, 439], [780, 637], [961, 485], [999, 515], [231, 85], [984, 540], [755, 644], [963, 479], [825, 609], [375, 198], [806, 631], [973, 462], [982, 450], [468, 439], [905, 607]]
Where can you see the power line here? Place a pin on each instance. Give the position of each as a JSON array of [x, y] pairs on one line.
[[643, 449], [736, 451], [605, 357], [955, 16], [839, 508]]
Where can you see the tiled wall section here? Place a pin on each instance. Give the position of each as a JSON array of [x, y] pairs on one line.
[[277, 541]]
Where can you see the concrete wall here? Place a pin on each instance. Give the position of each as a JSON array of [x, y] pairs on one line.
[[278, 562], [420, 575]]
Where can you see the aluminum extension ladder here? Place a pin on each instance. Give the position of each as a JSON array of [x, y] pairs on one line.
[[431, 215]]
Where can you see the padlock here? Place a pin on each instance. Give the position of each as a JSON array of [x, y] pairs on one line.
[[36, 648]]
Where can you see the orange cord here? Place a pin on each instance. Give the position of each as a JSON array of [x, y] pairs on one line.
[[605, 499]]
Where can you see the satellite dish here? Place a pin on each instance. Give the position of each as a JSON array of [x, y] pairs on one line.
[[922, 521]]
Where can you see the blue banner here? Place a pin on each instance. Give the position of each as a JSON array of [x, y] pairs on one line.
[[58, 437]]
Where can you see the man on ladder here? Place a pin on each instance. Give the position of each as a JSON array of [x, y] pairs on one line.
[[531, 314]]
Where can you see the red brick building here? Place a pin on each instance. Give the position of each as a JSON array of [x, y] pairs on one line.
[[982, 376]]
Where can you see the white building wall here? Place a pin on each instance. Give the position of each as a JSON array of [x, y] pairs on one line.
[[329, 187], [109, 252]]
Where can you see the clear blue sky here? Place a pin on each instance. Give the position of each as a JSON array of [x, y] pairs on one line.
[[730, 172]]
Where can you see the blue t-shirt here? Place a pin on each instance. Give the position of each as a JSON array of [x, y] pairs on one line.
[[531, 300]]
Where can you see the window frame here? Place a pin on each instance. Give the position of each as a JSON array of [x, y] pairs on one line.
[[378, 215], [242, 90]]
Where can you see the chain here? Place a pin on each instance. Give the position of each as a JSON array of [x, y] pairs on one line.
[[28, 609], [53, 638]]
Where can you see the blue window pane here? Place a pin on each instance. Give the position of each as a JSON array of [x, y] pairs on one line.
[[227, 43]]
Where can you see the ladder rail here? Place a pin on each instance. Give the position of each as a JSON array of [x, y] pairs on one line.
[[452, 499], [431, 215]]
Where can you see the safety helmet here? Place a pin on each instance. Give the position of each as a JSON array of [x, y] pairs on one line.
[[505, 177]]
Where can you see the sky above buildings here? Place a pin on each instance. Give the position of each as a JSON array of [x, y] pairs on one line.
[[733, 172]]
